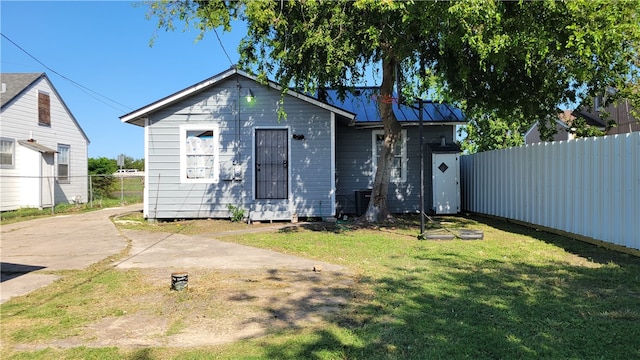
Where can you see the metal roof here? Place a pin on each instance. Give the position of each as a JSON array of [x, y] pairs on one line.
[[363, 102]]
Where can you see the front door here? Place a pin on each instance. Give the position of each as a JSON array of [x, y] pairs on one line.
[[272, 164]]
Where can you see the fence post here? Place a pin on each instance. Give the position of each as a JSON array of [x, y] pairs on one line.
[[90, 191], [121, 189]]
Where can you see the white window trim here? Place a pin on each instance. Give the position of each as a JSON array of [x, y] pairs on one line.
[[183, 153], [403, 155], [68, 163], [13, 154]]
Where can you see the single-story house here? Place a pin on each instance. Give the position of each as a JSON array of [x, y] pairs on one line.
[[43, 149], [222, 143]]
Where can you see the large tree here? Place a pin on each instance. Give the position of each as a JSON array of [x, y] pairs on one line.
[[488, 57]]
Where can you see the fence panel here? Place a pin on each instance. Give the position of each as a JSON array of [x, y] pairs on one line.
[[38, 192], [588, 187]]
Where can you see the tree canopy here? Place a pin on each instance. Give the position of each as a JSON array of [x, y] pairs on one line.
[[516, 60]]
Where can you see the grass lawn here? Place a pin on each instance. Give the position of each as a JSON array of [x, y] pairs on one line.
[[517, 294]]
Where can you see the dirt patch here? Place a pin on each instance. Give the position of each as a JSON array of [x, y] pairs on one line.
[[218, 307]]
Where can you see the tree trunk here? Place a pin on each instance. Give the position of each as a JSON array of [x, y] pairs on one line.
[[378, 209]]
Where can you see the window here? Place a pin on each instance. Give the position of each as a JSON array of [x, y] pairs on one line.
[[63, 163], [597, 103], [44, 109], [399, 167], [7, 153], [199, 153]]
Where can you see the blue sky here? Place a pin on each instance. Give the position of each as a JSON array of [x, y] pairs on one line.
[[104, 46]]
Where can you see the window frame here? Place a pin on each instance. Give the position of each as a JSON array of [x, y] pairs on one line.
[[214, 128], [13, 153], [403, 155], [44, 114], [63, 179]]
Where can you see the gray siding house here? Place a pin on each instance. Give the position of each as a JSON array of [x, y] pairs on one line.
[[220, 143], [43, 149], [357, 147]]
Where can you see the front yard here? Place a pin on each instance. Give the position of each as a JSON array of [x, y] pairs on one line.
[[519, 293]]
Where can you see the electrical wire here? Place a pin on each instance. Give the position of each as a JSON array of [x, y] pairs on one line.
[[222, 46], [88, 91]]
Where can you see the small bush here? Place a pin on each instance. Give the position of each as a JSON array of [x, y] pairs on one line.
[[237, 214]]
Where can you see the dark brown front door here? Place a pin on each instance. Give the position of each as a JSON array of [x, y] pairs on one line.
[[272, 163]]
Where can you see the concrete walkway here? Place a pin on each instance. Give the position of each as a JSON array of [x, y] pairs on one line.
[[70, 242], [65, 242]]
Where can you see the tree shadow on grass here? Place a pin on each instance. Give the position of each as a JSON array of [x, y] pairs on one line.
[[445, 305]]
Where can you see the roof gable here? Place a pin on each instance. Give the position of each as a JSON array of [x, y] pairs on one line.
[[136, 117], [18, 83]]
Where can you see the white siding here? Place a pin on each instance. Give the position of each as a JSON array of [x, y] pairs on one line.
[[20, 122], [588, 187]]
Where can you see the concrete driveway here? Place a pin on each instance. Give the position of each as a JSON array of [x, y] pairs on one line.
[[65, 242], [70, 242]]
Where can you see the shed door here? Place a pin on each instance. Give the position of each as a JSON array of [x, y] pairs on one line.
[[446, 183], [272, 164]]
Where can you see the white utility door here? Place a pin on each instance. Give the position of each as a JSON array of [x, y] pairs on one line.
[[47, 180], [446, 183]]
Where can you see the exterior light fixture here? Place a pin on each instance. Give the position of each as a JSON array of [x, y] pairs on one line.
[[249, 95]]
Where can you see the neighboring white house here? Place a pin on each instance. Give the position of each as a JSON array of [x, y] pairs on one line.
[[43, 149]]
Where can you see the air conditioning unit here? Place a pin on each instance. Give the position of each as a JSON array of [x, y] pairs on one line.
[[363, 197]]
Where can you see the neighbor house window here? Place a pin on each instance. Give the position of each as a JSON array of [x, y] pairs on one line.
[[44, 109], [7, 153], [63, 163], [399, 167], [597, 103], [199, 153]]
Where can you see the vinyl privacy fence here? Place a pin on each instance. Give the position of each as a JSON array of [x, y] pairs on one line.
[[588, 187]]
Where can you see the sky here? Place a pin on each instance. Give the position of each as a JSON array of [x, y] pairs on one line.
[[104, 47]]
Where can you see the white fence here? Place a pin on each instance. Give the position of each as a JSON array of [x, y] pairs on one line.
[[589, 187]]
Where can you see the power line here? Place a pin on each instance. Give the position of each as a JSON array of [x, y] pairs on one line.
[[82, 87], [222, 46]]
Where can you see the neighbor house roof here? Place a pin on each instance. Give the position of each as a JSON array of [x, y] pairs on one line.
[[14, 84], [363, 101], [136, 117]]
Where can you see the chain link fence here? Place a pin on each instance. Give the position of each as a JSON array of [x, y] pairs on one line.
[[49, 192], [129, 188]]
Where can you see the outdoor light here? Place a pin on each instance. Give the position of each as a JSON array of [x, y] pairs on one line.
[[249, 95]]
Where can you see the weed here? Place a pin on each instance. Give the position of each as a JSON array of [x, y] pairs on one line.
[[237, 213]]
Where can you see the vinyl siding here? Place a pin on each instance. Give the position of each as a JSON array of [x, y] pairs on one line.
[[20, 122], [354, 168], [310, 192]]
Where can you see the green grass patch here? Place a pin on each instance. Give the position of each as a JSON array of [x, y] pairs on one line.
[[9, 217], [519, 293]]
